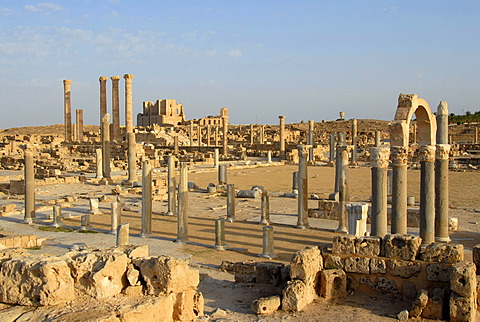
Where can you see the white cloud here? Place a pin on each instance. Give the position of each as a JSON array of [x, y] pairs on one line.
[[210, 53], [6, 11], [235, 53], [115, 14], [43, 7]]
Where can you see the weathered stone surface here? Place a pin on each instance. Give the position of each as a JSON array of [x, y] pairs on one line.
[[403, 268], [443, 253], [419, 304], [132, 275], [357, 265], [333, 261], [438, 272], [36, 281], [266, 305], [462, 279], [476, 257], [378, 266], [297, 295], [152, 309], [99, 274], [409, 290], [405, 247], [166, 274], [239, 268], [133, 251], [462, 308], [270, 273], [385, 285], [403, 316], [368, 246], [435, 305], [343, 244], [333, 283], [306, 265], [188, 306]]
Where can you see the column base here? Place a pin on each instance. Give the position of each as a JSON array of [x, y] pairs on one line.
[[28, 221], [230, 219], [265, 222], [341, 230], [169, 213], [268, 256], [442, 239], [181, 241], [302, 226], [220, 247]]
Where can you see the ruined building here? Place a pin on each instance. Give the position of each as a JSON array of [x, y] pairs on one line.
[[164, 112]]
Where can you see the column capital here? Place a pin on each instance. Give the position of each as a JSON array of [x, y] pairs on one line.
[[103, 78], [106, 118], [426, 153], [67, 82], [379, 157], [281, 117], [303, 150], [128, 76], [399, 155], [311, 122], [115, 78], [442, 152]]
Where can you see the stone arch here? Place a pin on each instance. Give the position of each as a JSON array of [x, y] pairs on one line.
[[408, 105]]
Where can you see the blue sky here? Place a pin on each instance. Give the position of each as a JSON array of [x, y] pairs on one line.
[[264, 58]]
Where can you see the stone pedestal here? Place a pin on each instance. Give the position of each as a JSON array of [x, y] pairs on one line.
[[171, 186], [282, 136], [128, 103], [132, 157], [427, 193], [105, 129], [115, 109], [343, 193], [357, 219], [29, 177], [146, 199], [182, 209], [302, 181], [379, 158], [67, 110], [399, 157]]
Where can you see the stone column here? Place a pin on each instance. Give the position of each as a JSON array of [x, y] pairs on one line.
[[399, 157], [146, 199], [268, 246], [343, 193], [216, 135], [331, 158], [441, 175], [282, 135], [377, 138], [74, 132], [99, 163], [67, 109], [311, 126], [269, 156], [216, 157], [199, 135], [262, 134], [103, 97], [191, 133], [128, 103], [171, 186], [175, 145], [106, 145], [115, 109], [426, 155], [265, 210], [251, 134], [354, 141], [29, 181], [357, 219], [225, 136], [57, 216], [123, 234], [230, 202], [476, 135], [302, 182], [222, 174], [116, 216], [182, 210], [132, 157], [209, 134], [79, 122], [379, 158], [220, 233]]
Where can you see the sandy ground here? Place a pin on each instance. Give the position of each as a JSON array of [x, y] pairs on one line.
[[244, 236]]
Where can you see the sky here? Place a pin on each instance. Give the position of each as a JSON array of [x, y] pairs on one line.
[[306, 60]]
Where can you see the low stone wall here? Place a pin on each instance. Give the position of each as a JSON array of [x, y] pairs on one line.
[[12, 240]]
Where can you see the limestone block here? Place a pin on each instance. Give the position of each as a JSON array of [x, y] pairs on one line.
[[357, 265], [133, 251], [166, 274], [99, 274], [453, 224], [266, 305], [378, 266], [435, 305], [476, 257], [409, 290], [419, 304], [239, 268], [306, 265], [270, 273], [333, 261], [133, 291], [404, 269], [188, 306], [443, 253], [151, 309], [405, 247], [132, 275], [297, 295], [462, 279], [462, 308], [368, 246], [333, 283], [35, 281], [438, 272], [343, 244], [385, 285]]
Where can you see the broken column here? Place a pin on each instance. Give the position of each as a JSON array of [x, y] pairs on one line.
[[222, 174], [57, 216], [354, 141], [282, 135], [311, 125], [357, 219], [128, 103], [426, 155], [67, 110], [146, 199], [99, 165], [399, 157], [79, 122], [262, 134], [302, 182], [191, 133], [115, 219], [216, 158], [123, 234], [220, 233], [251, 134], [441, 175], [343, 195], [29, 177], [182, 209], [265, 210], [225, 136], [379, 158], [269, 156], [115, 109], [132, 157], [103, 97], [377, 138], [171, 186], [106, 146], [175, 145], [268, 246], [230, 202]]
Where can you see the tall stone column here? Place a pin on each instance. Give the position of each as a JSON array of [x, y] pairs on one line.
[[441, 175], [343, 191], [379, 158], [74, 132], [377, 138], [251, 134], [399, 157], [230, 202], [146, 199], [171, 186], [216, 135], [427, 193], [132, 157], [216, 158], [128, 103], [29, 179], [103, 96], [338, 165], [225, 136], [79, 121], [175, 145], [311, 126], [99, 163], [302, 182], [115, 109], [67, 110], [331, 158], [282, 135], [199, 135], [182, 209], [209, 134], [354, 141], [262, 134], [106, 145], [191, 133]]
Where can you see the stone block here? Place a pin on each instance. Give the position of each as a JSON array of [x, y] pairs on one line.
[[188, 306], [409, 290], [266, 305], [270, 273], [357, 265], [443, 253], [333, 283], [378, 266], [164, 274], [435, 307], [333, 261], [133, 251], [453, 224], [404, 269], [463, 280], [239, 268], [368, 246], [419, 304], [476, 257], [151, 309], [385, 285], [297, 295], [462, 308], [343, 244], [306, 265], [405, 247], [438, 272]]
